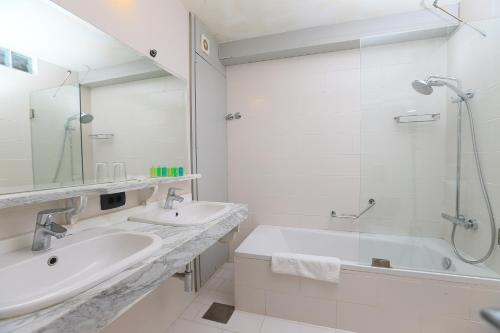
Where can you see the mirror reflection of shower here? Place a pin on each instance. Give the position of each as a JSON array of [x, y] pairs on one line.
[[84, 118], [425, 87]]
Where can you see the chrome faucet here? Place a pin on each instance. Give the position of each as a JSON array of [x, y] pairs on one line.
[[46, 228], [467, 224], [171, 197]]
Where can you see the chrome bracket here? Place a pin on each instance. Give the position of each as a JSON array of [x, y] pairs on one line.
[[436, 5], [469, 93], [79, 204], [231, 116], [146, 194], [187, 277]]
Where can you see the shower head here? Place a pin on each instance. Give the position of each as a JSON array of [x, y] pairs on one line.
[[424, 87], [86, 118]]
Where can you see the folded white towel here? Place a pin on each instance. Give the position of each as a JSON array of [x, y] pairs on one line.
[[313, 267]]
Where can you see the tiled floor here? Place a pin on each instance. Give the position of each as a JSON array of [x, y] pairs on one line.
[[220, 289]]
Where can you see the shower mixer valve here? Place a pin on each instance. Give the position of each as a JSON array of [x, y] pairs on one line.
[[467, 224]]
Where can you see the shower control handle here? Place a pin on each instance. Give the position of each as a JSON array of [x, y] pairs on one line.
[[467, 224]]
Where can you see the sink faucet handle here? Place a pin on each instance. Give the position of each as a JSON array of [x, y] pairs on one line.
[[171, 197], [46, 217], [56, 230], [171, 190]]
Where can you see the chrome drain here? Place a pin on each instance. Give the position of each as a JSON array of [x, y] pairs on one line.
[[52, 261], [446, 263]]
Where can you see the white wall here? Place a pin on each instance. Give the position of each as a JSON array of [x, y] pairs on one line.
[[402, 165], [148, 121], [476, 10], [476, 61], [142, 24], [294, 156], [318, 134], [54, 140], [15, 125]]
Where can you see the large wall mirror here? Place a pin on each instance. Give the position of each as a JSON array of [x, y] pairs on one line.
[[79, 107]]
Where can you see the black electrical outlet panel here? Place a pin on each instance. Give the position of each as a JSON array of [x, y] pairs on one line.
[[110, 201]]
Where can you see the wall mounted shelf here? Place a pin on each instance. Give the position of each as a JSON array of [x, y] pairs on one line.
[[33, 197], [417, 118], [102, 136]]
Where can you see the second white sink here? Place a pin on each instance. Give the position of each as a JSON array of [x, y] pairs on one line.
[[195, 213]]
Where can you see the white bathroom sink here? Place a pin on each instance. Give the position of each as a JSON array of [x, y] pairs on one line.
[[39, 280], [194, 213]]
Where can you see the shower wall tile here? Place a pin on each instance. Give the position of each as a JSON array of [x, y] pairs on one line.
[[468, 54], [295, 154], [318, 135], [474, 10], [403, 166], [159, 135], [16, 162]]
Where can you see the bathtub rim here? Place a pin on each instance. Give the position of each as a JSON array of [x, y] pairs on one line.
[[360, 267]]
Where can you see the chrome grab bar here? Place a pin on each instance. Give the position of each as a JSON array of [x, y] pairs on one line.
[[371, 203]]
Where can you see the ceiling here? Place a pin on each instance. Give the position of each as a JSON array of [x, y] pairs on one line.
[[231, 20]]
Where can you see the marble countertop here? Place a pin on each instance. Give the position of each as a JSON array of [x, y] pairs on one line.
[[97, 307]]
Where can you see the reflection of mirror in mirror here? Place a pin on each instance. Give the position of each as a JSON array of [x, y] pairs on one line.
[[78, 106]]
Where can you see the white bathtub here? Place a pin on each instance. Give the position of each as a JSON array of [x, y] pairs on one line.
[[410, 254], [417, 295]]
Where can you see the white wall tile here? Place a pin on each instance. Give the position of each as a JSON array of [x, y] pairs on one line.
[[446, 298], [357, 287], [356, 317], [398, 292], [319, 289], [474, 59], [257, 274], [299, 308], [159, 135], [482, 298], [301, 130], [475, 10], [250, 299]]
